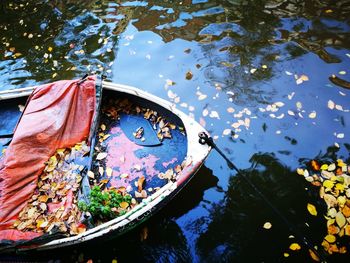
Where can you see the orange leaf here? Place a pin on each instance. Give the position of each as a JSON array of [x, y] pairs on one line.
[[140, 183], [315, 166], [313, 255], [124, 205]]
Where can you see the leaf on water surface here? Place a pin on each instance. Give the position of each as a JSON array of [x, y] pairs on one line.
[[340, 135], [189, 75], [205, 113], [202, 96], [226, 132], [230, 110], [101, 156], [340, 219], [312, 115], [267, 225], [331, 104], [312, 209], [315, 165], [314, 256], [214, 114], [294, 246], [227, 64], [346, 211], [330, 238], [144, 233], [169, 82]]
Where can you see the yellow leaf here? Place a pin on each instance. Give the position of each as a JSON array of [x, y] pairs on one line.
[[328, 184], [330, 238], [49, 49], [285, 255], [312, 209], [324, 167], [109, 171], [124, 205], [340, 219], [294, 246], [313, 255], [339, 187], [304, 78], [267, 225]]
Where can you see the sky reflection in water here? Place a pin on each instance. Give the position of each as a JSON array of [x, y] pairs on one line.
[[246, 58]]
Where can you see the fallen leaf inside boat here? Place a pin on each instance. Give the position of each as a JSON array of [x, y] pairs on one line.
[[101, 156]]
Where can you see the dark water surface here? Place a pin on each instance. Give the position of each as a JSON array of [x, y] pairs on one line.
[[255, 73]]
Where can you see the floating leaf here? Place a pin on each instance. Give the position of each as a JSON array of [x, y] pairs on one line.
[[315, 166], [226, 132], [314, 256], [230, 110], [332, 229], [294, 246], [340, 219], [330, 238], [331, 104], [267, 225], [312, 115], [214, 114], [189, 75], [312, 209]]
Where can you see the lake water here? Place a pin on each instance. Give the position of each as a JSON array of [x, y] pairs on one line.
[[254, 73]]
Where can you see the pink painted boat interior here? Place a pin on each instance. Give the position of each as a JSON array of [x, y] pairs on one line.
[[129, 160]]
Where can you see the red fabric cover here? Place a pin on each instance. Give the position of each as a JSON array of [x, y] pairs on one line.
[[57, 115]]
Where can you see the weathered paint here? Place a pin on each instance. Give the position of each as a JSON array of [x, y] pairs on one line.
[[122, 159], [156, 200]]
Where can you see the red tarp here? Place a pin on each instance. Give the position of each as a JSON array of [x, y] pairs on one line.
[[57, 115]]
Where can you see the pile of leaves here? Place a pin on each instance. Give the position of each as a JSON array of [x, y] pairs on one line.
[[53, 205], [107, 203], [159, 123], [333, 181]]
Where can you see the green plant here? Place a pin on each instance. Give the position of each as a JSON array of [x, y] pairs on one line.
[[106, 204]]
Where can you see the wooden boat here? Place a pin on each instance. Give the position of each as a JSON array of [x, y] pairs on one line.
[[150, 159]]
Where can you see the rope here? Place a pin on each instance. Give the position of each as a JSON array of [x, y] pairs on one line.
[[205, 139]]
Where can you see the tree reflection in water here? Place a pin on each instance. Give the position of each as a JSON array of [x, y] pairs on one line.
[[236, 232]]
